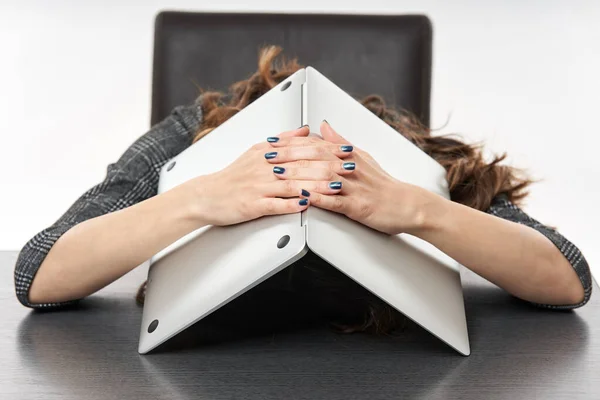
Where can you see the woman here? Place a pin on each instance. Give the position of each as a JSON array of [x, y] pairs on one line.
[[121, 222]]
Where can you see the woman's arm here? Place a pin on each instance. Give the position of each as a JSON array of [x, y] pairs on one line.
[[100, 250], [118, 224], [510, 249]]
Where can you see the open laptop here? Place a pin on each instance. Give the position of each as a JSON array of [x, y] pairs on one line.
[[211, 266]]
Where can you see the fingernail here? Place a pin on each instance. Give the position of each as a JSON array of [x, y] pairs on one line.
[[305, 193], [346, 149], [272, 139], [335, 185], [349, 165], [326, 121], [303, 202], [305, 125], [270, 155], [278, 170]]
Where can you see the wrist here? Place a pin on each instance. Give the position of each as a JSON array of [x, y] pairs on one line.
[[189, 197], [431, 212]]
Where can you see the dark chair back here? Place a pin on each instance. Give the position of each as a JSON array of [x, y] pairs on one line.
[[363, 54]]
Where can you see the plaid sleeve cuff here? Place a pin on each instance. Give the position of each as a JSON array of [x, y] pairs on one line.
[[503, 208], [29, 261]]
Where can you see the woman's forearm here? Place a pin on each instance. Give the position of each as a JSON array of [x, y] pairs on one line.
[[98, 251], [516, 257]]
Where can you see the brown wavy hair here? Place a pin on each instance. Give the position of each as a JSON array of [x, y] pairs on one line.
[[472, 181]]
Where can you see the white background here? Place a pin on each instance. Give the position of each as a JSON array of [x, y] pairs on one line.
[[75, 80]]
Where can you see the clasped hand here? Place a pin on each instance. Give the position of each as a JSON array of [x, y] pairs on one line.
[[290, 172]]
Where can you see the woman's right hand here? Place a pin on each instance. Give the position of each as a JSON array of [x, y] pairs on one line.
[[249, 188]]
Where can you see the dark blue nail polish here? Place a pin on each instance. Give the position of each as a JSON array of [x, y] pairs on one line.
[[271, 155], [326, 121], [335, 185], [278, 170], [303, 202], [347, 149], [305, 193], [272, 139], [349, 165]]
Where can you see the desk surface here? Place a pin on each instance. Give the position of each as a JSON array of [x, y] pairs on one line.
[[90, 352]]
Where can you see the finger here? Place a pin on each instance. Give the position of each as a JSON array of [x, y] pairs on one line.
[[295, 141], [293, 188], [306, 174], [336, 203], [330, 152], [276, 206], [314, 170], [303, 131], [299, 133], [330, 135]]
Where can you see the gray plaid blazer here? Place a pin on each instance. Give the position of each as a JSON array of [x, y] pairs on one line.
[[134, 178]]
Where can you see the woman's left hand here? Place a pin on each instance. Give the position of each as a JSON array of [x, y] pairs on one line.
[[371, 196]]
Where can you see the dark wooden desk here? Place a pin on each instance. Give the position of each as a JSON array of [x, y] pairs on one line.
[[90, 352]]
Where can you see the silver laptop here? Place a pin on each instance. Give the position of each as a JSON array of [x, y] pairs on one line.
[[211, 266]]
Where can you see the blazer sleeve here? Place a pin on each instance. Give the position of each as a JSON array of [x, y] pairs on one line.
[[503, 208], [131, 179]]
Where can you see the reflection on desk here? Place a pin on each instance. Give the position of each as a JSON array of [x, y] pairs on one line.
[[248, 350]]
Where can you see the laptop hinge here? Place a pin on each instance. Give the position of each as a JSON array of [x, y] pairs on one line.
[[304, 119], [304, 104]]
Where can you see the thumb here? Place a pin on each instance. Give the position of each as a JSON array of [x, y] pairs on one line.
[[330, 135]]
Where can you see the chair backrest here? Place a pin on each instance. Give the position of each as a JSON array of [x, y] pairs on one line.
[[363, 54]]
